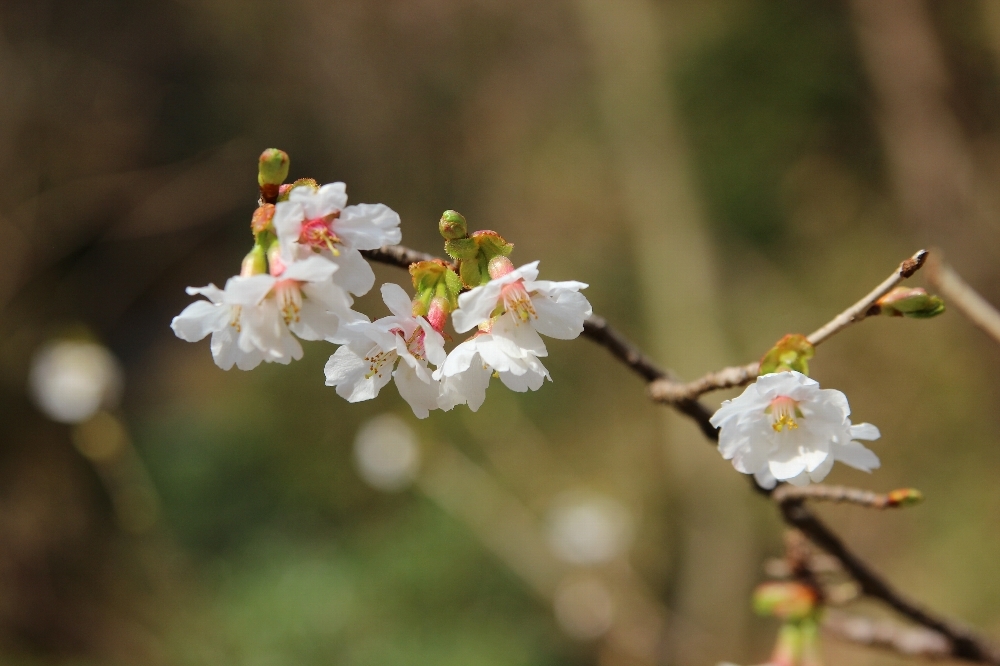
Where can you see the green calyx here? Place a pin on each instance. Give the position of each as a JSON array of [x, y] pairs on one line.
[[285, 190], [791, 352], [907, 302], [434, 280], [472, 252]]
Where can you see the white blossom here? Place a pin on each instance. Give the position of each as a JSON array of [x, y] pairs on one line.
[[321, 221], [500, 346], [369, 353], [253, 319], [555, 309], [785, 428]]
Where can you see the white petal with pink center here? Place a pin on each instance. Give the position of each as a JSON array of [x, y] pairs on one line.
[[369, 352], [254, 318], [555, 309], [784, 427], [321, 221]]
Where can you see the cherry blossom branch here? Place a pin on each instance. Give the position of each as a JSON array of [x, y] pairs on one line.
[[597, 329], [911, 641], [844, 494], [397, 255], [669, 391], [863, 308], [962, 297], [963, 644]]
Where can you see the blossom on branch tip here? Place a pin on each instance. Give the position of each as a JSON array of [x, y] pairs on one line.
[[253, 319], [369, 351], [319, 220], [555, 309], [783, 427]]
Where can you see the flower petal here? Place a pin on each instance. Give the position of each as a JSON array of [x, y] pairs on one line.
[[560, 312], [421, 395], [476, 306], [857, 456], [355, 274], [312, 269], [211, 292], [865, 431], [396, 299], [199, 319], [368, 226], [351, 374]]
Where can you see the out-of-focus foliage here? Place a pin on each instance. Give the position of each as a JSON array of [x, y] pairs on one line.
[[129, 134]]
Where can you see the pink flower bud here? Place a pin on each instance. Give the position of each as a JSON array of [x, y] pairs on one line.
[[500, 266], [437, 314]]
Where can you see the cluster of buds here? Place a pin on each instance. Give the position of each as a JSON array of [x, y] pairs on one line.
[[299, 280], [797, 605]]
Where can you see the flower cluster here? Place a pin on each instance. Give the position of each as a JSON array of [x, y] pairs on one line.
[[300, 279]]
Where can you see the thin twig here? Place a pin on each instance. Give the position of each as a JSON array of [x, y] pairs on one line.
[[859, 310], [669, 391], [838, 494], [963, 644], [959, 295], [911, 641]]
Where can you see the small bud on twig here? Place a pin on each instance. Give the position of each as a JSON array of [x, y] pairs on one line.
[[452, 225], [272, 169], [906, 302]]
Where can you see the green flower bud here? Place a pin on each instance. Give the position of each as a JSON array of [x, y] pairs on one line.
[[272, 168], [906, 302], [905, 497], [452, 225], [255, 263]]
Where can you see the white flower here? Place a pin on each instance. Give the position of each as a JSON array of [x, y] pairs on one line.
[[320, 220], [254, 318], [785, 428], [221, 315], [555, 309], [502, 346], [369, 352]]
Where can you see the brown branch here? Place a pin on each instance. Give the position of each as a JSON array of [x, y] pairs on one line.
[[963, 643], [959, 295], [397, 255], [669, 391], [597, 329], [911, 641], [838, 494]]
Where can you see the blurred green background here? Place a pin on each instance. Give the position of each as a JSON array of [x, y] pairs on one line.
[[720, 173]]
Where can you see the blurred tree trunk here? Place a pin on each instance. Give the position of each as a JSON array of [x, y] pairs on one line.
[[930, 161], [676, 267]]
